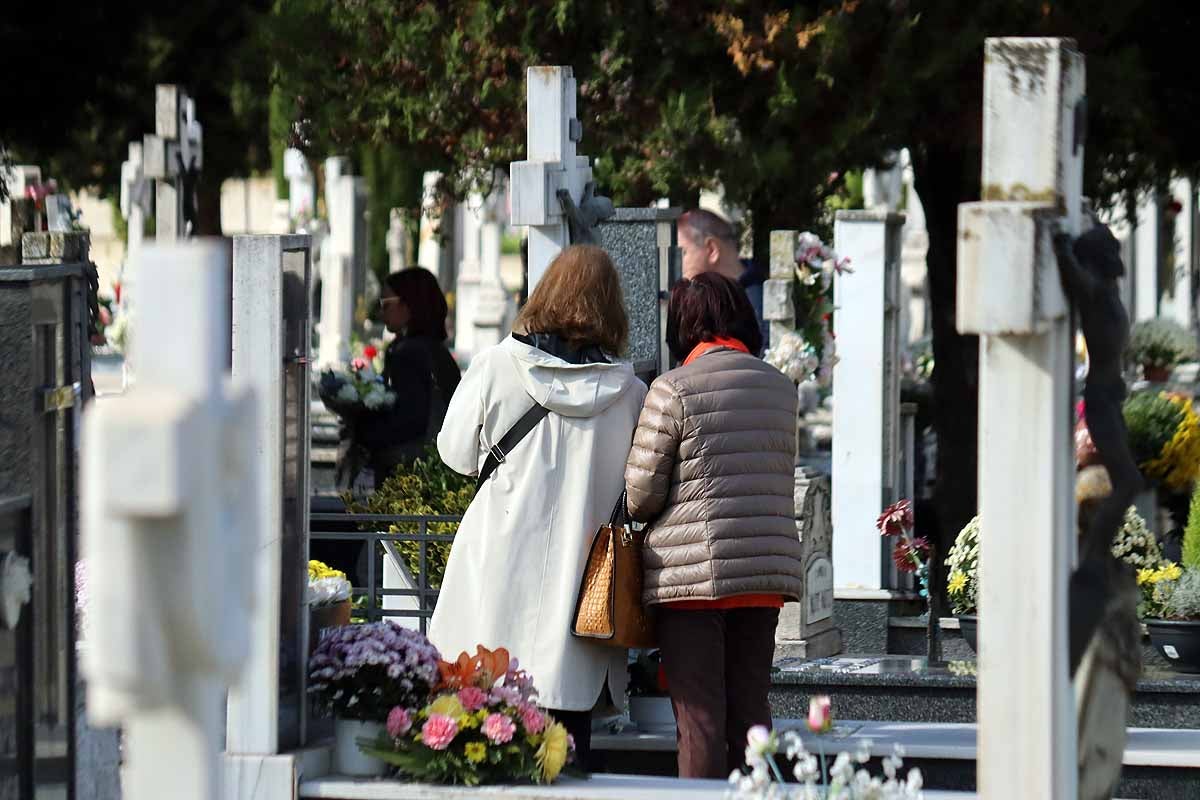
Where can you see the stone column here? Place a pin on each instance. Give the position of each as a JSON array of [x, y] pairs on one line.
[[429, 245], [467, 284], [866, 395]]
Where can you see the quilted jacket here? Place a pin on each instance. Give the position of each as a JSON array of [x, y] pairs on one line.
[[712, 469]]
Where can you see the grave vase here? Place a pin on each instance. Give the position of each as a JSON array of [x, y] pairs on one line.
[[968, 625], [652, 713], [1156, 374], [347, 758]]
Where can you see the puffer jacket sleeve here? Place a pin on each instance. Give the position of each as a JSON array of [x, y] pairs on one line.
[[655, 447]]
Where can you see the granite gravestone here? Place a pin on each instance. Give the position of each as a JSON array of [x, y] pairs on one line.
[[644, 246], [806, 628]]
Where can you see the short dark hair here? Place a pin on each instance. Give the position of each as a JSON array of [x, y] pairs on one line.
[[418, 289], [702, 223], [705, 307]]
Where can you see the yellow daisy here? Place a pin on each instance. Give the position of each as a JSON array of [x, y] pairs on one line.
[[476, 751]]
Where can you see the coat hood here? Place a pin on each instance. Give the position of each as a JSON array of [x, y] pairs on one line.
[[572, 390]]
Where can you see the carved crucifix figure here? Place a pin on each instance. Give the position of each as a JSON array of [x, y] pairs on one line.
[[1089, 268]]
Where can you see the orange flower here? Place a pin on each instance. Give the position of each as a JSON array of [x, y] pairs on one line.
[[481, 670]]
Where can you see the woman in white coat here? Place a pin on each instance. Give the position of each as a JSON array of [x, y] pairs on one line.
[[518, 557]]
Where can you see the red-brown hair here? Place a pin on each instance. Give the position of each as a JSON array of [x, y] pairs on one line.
[[579, 300], [705, 307]]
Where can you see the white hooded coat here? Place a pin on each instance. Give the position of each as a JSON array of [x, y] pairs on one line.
[[518, 557]]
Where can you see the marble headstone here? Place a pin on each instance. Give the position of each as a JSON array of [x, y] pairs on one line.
[[643, 244], [806, 628]]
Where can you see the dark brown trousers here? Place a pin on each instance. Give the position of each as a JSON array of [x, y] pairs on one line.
[[718, 668]]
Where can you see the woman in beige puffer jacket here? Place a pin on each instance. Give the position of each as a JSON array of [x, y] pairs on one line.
[[712, 470]]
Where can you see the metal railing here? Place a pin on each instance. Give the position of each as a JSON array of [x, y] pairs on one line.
[[380, 544]]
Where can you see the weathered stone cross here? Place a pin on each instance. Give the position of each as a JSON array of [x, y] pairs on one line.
[[173, 156], [1009, 293], [553, 132]]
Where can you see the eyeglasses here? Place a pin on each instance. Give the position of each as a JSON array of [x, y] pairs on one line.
[[383, 301]]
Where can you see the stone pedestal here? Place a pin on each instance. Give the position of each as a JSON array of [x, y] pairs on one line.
[[806, 629]]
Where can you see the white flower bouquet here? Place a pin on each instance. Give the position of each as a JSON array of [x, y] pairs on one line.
[[356, 390]]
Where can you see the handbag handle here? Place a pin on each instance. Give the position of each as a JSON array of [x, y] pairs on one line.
[[620, 511]]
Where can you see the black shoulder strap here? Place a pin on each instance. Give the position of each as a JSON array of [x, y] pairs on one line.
[[516, 433]]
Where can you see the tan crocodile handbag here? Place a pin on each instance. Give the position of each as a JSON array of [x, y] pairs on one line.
[[609, 608]]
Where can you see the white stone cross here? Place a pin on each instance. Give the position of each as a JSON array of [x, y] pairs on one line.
[[178, 138], [552, 164], [1009, 293], [135, 200], [169, 519]]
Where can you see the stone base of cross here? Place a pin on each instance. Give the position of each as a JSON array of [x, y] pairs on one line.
[[169, 518], [552, 165], [1009, 293]]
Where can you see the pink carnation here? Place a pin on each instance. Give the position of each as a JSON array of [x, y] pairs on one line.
[[472, 697], [531, 718], [438, 731], [398, 722], [499, 729]]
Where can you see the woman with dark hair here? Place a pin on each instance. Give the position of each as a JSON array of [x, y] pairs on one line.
[[416, 366], [712, 470], [520, 552]]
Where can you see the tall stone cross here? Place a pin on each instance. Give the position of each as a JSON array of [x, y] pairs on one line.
[[135, 200], [173, 156], [169, 526], [553, 132], [1009, 293]]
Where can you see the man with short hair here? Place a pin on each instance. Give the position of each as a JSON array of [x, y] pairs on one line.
[[710, 244]]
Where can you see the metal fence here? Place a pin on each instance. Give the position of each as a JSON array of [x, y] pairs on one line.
[[373, 531]]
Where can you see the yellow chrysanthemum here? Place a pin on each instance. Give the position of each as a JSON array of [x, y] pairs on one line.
[[552, 754], [1144, 576], [447, 705], [1179, 462], [476, 751], [318, 570], [958, 582]]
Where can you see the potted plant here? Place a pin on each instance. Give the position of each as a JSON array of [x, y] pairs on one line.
[[328, 599], [481, 726], [962, 585], [649, 703], [359, 673], [1157, 345], [1170, 606], [1164, 436]]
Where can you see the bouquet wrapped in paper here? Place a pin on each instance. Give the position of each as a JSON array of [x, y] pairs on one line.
[[359, 388]]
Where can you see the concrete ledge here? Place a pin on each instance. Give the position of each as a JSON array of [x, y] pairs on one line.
[[1147, 747], [597, 787]]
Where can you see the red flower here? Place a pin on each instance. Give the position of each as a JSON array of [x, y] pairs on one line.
[[908, 553], [896, 518], [370, 352]]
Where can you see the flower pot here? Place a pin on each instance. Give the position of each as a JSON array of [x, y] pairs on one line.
[[347, 758], [322, 617], [1178, 641], [968, 625], [652, 713], [1156, 374]]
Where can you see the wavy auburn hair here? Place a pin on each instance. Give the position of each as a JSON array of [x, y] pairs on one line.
[[579, 299]]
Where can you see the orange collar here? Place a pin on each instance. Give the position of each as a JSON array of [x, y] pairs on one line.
[[720, 341]]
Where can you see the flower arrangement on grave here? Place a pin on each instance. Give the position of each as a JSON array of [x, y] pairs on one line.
[[962, 562], [357, 389], [1159, 344], [1169, 590], [910, 553], [427, 487], [1164, 435], [811, 352], [326, 586], [481, 726], [362, 672], [845, 779]]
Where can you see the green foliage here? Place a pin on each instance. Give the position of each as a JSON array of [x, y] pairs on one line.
[[428, 488], [1160, 342], [1191, 533], [1184, 599], [393, 176], [1151, 419]]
